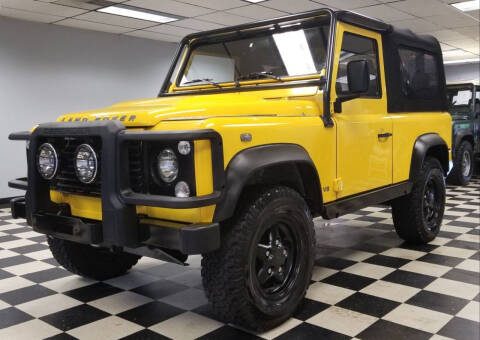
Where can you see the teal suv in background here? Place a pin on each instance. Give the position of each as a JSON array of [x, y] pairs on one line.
[[464, 106]]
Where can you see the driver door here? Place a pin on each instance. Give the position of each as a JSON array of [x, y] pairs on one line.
[[364, 128]]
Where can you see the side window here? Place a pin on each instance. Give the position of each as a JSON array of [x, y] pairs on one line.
[[355, 47], [419, 74]]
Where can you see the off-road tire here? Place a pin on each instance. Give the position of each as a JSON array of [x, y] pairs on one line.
[[408, 211], [457, 176], [85, 260], [226, 273]]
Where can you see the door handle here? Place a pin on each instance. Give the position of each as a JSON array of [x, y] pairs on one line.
[[384, 135]]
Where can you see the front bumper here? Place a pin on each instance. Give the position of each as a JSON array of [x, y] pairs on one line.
[[192, 239], [120, 225]]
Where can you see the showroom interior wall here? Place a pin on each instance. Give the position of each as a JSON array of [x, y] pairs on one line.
[[47, 70], [462, 72]]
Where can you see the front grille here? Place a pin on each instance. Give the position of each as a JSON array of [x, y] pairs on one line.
[[136, 166], [66, 180]]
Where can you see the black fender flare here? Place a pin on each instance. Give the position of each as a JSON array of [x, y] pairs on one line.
[[424, 143], [247, 162]]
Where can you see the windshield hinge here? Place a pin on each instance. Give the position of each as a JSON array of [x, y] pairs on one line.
[[327, 121]]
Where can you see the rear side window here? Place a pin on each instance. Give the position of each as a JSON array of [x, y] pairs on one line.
[[355, 47], [418, 74]]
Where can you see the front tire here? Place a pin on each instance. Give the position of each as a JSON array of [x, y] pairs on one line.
[[417, 217], [463, 165], [85, 260], [260, 274]]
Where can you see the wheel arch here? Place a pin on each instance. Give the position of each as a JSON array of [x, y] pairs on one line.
[[464, 136], [284, 164], [430, 144]]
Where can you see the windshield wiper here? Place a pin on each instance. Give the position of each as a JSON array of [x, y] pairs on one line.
[[205, 80], [259, 75]]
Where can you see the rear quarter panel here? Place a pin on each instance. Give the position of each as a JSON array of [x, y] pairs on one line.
[[407, 127]]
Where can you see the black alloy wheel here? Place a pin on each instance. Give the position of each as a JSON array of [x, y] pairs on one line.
[[432, 205], [418, 216], [274, 262]]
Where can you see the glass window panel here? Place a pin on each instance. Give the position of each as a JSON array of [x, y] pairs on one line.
[[419, 74], [355, 47], [278, 53]]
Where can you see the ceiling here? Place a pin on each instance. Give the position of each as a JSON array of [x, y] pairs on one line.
[[457, 31]]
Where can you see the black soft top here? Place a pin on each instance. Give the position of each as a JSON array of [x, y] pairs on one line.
[[408, 38], [427, 94]]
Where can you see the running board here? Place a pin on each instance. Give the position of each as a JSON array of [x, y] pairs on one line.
[[353, 203]]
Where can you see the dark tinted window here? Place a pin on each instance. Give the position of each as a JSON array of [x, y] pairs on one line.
[[418, 74], [355, 47]]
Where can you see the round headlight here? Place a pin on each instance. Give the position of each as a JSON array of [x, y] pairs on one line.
[[167, 165], [85, 163], [184, 147], [47, 161], [182, 189]]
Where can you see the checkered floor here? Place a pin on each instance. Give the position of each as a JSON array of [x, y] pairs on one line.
[[366, 284]]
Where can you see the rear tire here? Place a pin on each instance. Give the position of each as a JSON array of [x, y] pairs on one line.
[[253, 280], [417, 217], [85, 260], [463, 165]]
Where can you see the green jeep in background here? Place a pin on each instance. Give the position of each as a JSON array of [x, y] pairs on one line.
[[464, 106]]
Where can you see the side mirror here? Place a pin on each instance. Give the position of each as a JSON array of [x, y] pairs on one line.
[[358, 76], [358, 79]]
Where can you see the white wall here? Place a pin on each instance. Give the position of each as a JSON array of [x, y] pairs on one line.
[[48, 70], [462, 72]]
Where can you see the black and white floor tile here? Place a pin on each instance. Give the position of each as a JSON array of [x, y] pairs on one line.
[[367, 284]]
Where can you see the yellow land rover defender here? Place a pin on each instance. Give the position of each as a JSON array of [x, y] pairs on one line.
[[257, 129]]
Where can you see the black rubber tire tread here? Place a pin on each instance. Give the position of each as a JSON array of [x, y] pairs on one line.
[[455, 176], [224, 271], [407, 210], [85, 260]]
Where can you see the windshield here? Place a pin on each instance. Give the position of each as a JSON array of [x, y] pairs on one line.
[[460, 100], [275, 53]]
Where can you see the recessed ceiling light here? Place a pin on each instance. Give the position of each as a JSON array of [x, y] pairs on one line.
[[467, 6], [462, 61], [138, 13], [255, 1]]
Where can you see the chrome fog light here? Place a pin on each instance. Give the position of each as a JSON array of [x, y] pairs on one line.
[[167, 165], [182, 189], [85, 163], [184, 147], [47, 161]]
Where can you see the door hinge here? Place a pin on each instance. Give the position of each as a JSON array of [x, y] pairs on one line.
[[337, 185], [332, 106]]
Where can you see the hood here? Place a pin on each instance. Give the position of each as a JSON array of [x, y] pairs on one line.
[[150, 112]]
